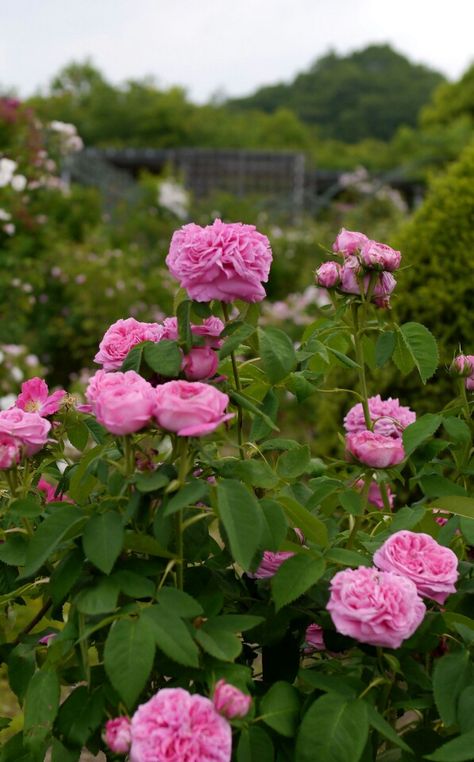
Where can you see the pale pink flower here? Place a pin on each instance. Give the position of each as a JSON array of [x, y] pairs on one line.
[[432, 567], [348, 242], [328, 275], [314, 639], [175, 726], [121, 337], [123, 402], [375, 607], [230, 701], [10, 451], [353, 277], [35, 398], [190, 409], [374, 496], [118, 735], [375, 450], [224, 261], [200, 363], [94, 386], [388, 417], [379, 256], [29, 428]]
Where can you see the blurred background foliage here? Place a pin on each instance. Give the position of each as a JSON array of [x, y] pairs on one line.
[[71, 266]]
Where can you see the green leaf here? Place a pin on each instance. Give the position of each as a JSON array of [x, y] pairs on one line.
[[342, 730], [64, 523], [322, 487], [384, 348], [402, 356], [457, 430], [300, 386], [171, 635], [423, 348], [128, 657], [192, 492], [235, 337], [451, 675], [343, 359], [466, 709], [293, 463], [460, 506], [27, 507], [78, 435], [240, 514], [352, 502], [99, 599], [218, 641], [13, 550], [254, 472], [268, 409], [21, 667], [274, 526], [179, 603], [41, 708], [346, 557], [419, 431], [134, 585], [247, 404], [385, 729], [103, 539], [149, 481], [255, 746], [164, 357], [134, 358], [280, 708], [406, 518], [435, 485], [313, 528], [65, 575], [80, 715], [183, 313], [458, 750], [277, 353], [143, 543], [59, 753], [294, 577]]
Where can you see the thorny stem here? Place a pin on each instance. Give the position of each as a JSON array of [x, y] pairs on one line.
[[238, 387]]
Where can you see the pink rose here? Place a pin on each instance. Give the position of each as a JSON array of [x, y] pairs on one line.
[[352, 278], [175, 726], [223, 261], [388, 417], [35, 397], [375, 450], [29, 428], [47, 639], [379, 256], [121, 337], [117, 735], [210, 329], [94, 385], [229, 701], [375, 495], [375, 607], [417, 556], [314, 639], [124, 402], [328, 275], [10, 451], [270, 563], [50, 493], [200, 363], [190, 409], [464, 366], [349, 241]]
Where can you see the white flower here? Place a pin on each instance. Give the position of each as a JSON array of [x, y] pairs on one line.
[[63, 127], [9, 228], [172, 196], [5, 215], [17, 373], [18, 183], [7, 169], [7, 401]]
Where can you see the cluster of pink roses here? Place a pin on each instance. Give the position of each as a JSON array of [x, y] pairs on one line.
[[382, 605], [175, 725], [464, 366], [24, 428], [381, 446], [367, 268]]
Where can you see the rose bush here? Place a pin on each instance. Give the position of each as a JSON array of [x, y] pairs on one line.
[[199, 586]]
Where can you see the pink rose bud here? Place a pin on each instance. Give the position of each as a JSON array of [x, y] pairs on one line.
[[224, 261], [314, 639], [190, 409], [50, 493], [375, 450], [30, 429], [328, 275], [10, 451], [463, 365], [352, 278], [379, 256], [121, 337], [124, 402], [375, 607], [348, 242], [47, 639], [210, 329], [118, 735], [270, 563], [375, 495], [229, 701], [200, 363], [388, 417], [175, 726], [417, 556], [35, 398]]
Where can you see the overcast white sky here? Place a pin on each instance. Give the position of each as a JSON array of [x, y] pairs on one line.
[[227, 45]]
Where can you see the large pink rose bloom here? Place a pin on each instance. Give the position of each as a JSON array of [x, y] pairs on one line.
[[349, 241], [224, 261], [121, 337], [124, 402], [35, 398], [175, 726], [190, 409], [379, 256], [374, 449], [417, 556], [10, 451], [230, 701], [29, 428], [388, 417], [375, 607]]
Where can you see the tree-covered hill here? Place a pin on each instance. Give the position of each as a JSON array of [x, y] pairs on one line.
[[367, 94]]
